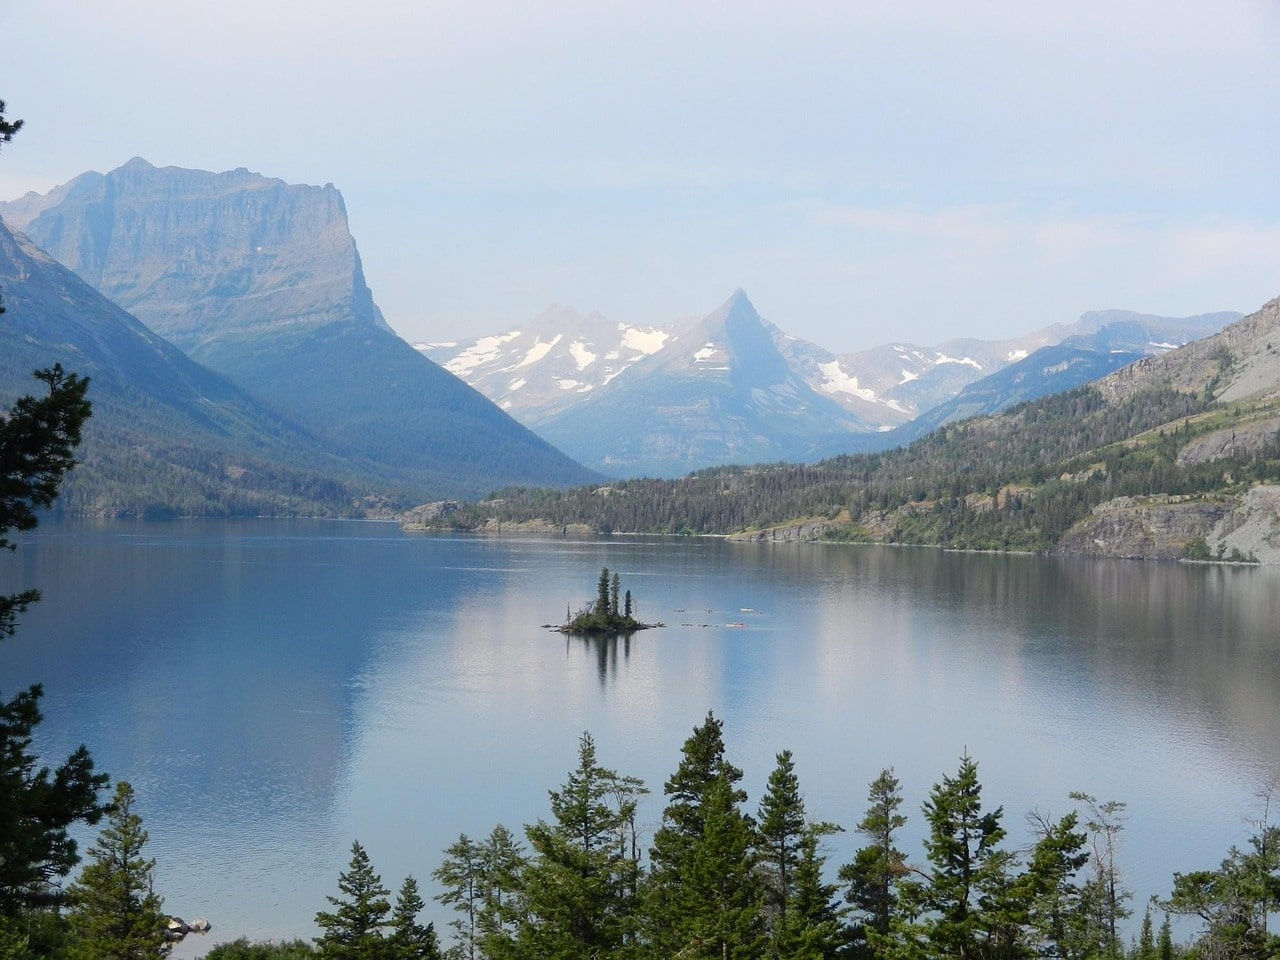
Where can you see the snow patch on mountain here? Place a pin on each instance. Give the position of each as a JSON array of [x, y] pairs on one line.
[[908, 376], [538, 351], [643, 341], [837, 381], [1016, 355], [707, 352], [581, 355], [485, 350], [966, 361]]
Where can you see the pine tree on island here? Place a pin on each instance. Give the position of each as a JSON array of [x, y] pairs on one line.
[[611, 613]]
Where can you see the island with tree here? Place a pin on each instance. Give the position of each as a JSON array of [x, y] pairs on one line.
[[609, 614]]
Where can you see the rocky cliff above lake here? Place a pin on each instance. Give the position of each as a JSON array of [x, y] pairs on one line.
[[260, 280], [204, 257]]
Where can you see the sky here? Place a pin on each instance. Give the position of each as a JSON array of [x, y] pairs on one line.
[[867, 171]]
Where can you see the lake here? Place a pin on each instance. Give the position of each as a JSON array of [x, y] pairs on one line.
[[275, 689]]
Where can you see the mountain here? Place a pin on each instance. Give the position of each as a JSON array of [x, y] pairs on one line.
[[1118, 338], [718, 392], [555, 361], [167, 436], [1176, 455], [557, 375], [261, 281]]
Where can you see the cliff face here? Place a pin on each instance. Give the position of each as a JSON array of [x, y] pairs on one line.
[[201, 257], [260, 281]]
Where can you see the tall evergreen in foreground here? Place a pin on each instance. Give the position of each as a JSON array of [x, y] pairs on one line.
[[114, 911], [354, 930], [39, 806], [581, 884]]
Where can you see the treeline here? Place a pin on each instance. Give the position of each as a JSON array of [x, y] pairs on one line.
[[717, 881], [1018, 480]]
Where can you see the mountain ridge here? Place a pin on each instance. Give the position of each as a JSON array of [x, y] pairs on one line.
[[261, 281]]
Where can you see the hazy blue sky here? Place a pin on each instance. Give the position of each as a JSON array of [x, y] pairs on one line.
[[867, 171]]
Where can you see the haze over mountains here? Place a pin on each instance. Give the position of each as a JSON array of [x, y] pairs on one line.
[[260, 281], [731, 387]]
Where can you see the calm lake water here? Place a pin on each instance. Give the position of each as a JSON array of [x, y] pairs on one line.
[[274, 690]]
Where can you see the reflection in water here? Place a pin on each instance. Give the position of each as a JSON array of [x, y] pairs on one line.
[[605, 649], [277, 689]]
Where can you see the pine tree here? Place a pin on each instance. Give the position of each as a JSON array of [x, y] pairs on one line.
[[877, 869], [697, 833], [409, 939], [813, 927], [602, 593], [781, 824], [1146, 949], [1164, 943], [114, 912], [502, 909], [461, 876], [354, 931], [969, 872], [1052, 900], [719, 903], [579, 888]]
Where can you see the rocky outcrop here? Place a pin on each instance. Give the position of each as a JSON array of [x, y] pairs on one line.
[[1239, 361], [1245, 438], [798, 532], [1149, 528], [1250, 528]]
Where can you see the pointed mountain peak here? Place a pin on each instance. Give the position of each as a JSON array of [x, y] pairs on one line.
[[137, 164]]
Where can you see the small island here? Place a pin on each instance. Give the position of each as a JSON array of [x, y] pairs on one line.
[[610, 614]]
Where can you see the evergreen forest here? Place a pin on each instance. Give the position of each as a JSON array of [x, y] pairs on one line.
[[1014, 481]]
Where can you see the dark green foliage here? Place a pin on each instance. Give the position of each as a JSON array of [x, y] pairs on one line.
[[113, 910], [1019, 480], [37, 442], [1233, 903], [409, 939], [798, 903], [355, 930], [38, 806], [245, 949], [960, 901], [703, 893], [7, 127], [580, 885], [603, 616], [1051, 898], [879, 867]]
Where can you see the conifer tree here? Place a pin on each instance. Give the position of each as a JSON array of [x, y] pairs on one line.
[[877, 869], [683, 847], [461, 875], [579, 886], [409, 939], [1048, 892], [781, 823], [113, 911], [354, 930], [602, 593], [812, 927], [502, 911], [719, 902], [969, 874]]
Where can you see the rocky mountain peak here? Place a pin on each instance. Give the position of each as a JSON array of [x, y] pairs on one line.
[[204, 257]]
